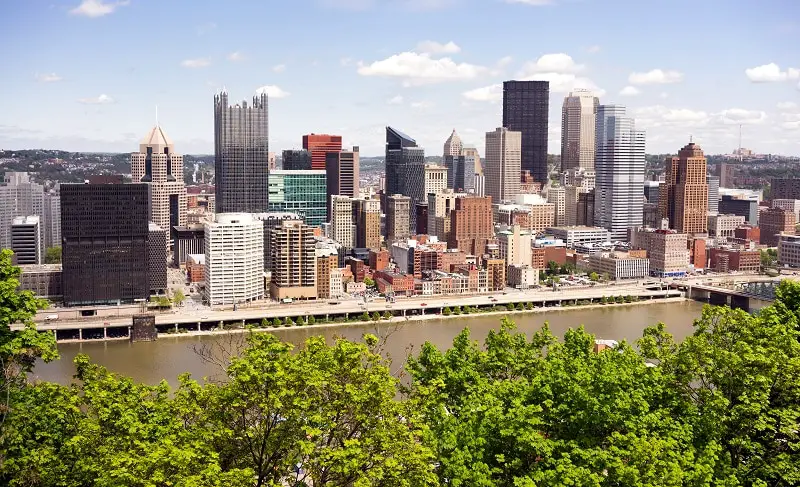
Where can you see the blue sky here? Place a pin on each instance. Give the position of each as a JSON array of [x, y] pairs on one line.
[[87, 75]]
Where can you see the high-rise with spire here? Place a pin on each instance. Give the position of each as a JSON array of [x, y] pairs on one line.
[[577, 130], [161, 168], [241, 150], [683, 197], [455, 162]]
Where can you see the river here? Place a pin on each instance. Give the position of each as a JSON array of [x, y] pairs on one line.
[[169, 356]]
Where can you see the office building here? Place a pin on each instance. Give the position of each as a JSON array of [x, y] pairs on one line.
[[667, 250], [161, 168], [774, 222], [471, 224], [724, 226], [301, 192], [241, 151], [619, 265], [577, 130], [558, 196], [789, 205], [52, 218], [19, 196], [319, 145], [398, 218], [725, 173], [186, 241], [785, 188], [734, 260], [572, 196], [396, 164], [234, 250], [472, 161], [421, 219], [683, 199], [503, 152], [156, 259], [272, 161], [104, 242], [44, 281], [342, 227], [435, 181], [342, 173], [620, 169], [453, 145], [294, 261], [327, 265], [740, 205], [652, 190], [368, 224], [295, 160], [748, 232], [269, 221], [26, 240], [480, 185], [455, 162], [515, 245], [713, 194], [526, 107], [789, 250], [440, 205]]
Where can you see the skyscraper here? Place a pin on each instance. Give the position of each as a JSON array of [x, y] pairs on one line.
[[368, 227], [453, 145], [52, 218], [471, 224], [503, 149], [295, 160], [683, 198], [342, 174], [342, 224], [435, 181], [234, 250], [398, 218], [19, 196], [458, 173], [402, 165], [301, 192], [104, 242], [294, 261], [319, 145], [26, 240], [525, 110], [619, 164], [161, 168], [241, 150], [577, 130]]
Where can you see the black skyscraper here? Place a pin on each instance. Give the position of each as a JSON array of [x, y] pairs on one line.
[[104, 243], [525, 109], [241, 150], [396, 161], [296, 160]]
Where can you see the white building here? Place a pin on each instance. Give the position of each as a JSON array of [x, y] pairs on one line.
[[515, 245], [503, 164], [576, 235], [234, 250], [19, 196], [342, 227], [435, 180], [724, 225], [620, 168], [619, 265], [557, 195], [522, 276], [26, 240], [578, 129]]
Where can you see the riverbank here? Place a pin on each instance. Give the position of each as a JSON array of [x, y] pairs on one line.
[[394, 320]]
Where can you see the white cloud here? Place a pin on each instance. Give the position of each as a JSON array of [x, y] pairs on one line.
[[97, 8], [236, 56], [196, 63], [272, 91], [100, 100], [504, 61], [741, 116], [395, 100], [771, 72], [493, 93], [279, 68], [655, 76], [660, 116], [788, 105], [593, 49], [421, 104], [48, 78], [433, 47], [629, 91], [418, 69], [552, 63]]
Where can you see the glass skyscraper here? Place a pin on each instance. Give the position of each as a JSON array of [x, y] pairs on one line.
[[526, 106], [301, 192], [404, 168], [241, 150]]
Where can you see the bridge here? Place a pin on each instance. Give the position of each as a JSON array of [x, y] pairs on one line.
[[747, 292]]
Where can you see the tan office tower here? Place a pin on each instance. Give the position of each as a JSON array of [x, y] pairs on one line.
[[398, 218], [503, 164], [578, 129], [343, 174], [439, 207], [453, 146], [294, 261], [435, 179], [368, 224], [342, 225], [471, 224], [161, 168], [557, 195], [683, 197]]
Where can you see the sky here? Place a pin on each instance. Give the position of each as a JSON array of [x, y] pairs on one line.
[[96, 75]]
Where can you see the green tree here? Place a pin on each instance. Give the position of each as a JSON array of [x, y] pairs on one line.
[[370, 283], [376, 316], [457, 310], [594, 277], [311, 320], [387, 315], [552, 267], [769, 258], [52, 255], [264, 322], [178, 297], [363, 316], [19, 350], [288, 321], [277, 322]]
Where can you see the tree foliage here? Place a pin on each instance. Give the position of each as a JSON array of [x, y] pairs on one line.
[[52, 255]]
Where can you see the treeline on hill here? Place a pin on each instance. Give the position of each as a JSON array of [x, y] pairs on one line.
[[719, 409]]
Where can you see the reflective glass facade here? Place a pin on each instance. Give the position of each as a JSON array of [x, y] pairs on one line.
[[525, 109], [301, 192]]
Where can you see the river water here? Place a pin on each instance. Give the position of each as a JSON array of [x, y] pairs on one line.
[[169, 356]]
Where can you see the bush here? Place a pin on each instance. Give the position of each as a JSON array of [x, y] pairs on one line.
[[364, 316], [457, 310], [311, 320], [446, 311], [288, 321], [264, 323], [376, 316], [529, 306], [276, 322], [387, 315]]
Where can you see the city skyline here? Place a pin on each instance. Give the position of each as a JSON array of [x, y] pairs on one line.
[[444, 72]]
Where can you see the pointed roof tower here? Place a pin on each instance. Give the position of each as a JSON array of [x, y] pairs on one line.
[[453, 145], [157, 139]]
